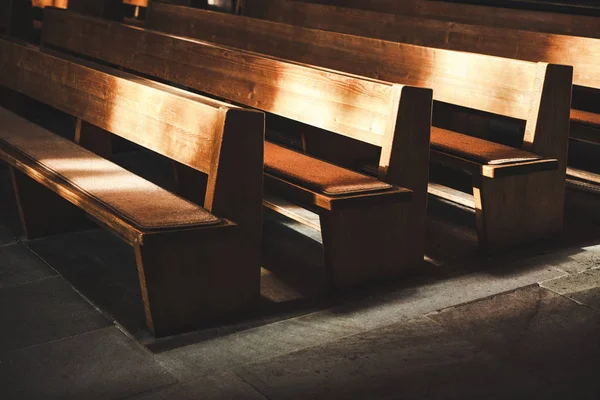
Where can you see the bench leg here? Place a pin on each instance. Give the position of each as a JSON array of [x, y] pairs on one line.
[[364, 245], [44, 212], [195, 276], [191, 183], [93, 138], [516, 210]]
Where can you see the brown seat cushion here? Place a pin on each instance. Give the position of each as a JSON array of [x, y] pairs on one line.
[[585, 118], [317, 175], [135, 199], [475, 149]]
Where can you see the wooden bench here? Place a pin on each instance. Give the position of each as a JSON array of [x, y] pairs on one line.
[[370, 227], [539, 21], [537, 94], [581, 52], [194, 263]]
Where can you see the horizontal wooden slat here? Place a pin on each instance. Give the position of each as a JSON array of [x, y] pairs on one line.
[[179, 125], [577, 25], [497, 85], [581, 52], [344, 104]]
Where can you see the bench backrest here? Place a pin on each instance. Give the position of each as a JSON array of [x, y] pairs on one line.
[[497, 85], [539, 21], [581, 52], [196, 131], [352, 106]]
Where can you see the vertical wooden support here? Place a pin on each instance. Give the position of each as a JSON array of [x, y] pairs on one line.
[[363, 245], [93, 138], [207, 277], [44, 212], [191, 183], [405, 161], [520, 209], [235, 184], [380, 242]]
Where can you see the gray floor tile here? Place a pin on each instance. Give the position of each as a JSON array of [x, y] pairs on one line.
[[577, 261], [103, 364], [417, 298], [416, 359], [583, 287], [42, 311], [225, 386], [260, 343], [101, 267], [553, 338], [19, 265]]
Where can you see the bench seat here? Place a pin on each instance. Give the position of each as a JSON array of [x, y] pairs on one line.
[[585, 118], [484, 157], [585, 126], [93, 182]]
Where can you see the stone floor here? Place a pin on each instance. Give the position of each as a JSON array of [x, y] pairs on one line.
[[525, 324]]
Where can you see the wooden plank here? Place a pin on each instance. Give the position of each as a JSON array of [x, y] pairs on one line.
[[581, 52], [476, 81], [345, 104], [538, 21], [137, 109]]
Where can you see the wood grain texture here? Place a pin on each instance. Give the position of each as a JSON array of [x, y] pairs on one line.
[[520, 209], [538, 21], [371, 111], [580, 52], [275, 38], [345, 104], [205, 280], [137, 109], [456, 77], [186, 276]]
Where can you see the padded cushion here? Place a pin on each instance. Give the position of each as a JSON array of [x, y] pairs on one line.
[[133, 198], [585, 118], [475, 149], [317, 175]]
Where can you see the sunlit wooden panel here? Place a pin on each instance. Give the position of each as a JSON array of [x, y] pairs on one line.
[[138, 3], [50, 3]]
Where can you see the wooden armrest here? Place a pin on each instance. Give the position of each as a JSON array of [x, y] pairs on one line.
[[315, 200], [494, 171]]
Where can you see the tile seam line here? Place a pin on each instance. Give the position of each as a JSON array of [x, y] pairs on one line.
[[251, 385], [34, 281], [530, 285], [84, 297], [565, 295], [56, 340]]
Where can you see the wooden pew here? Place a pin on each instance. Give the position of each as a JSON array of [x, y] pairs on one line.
[[370, 228], [538, 21], [581, 52], [511, 88], [194, 263]]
